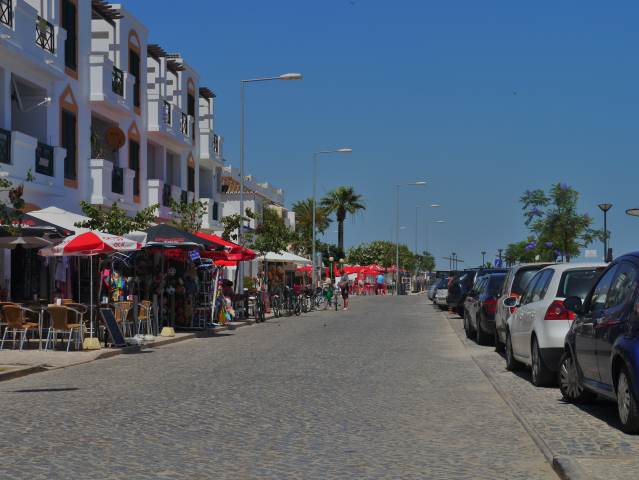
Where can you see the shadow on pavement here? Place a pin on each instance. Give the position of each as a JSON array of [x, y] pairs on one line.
[[37, 390]]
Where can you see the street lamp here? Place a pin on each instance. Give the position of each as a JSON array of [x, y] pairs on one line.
[[483, 259], [604, 207], [414, 184], [315, 158], [240, 234], [417, 207]]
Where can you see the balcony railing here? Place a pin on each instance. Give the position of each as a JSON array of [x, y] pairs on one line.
[[6, 12], [44, 34], [192, 126], [44, 159], [216, 144], [166, 195], [117, 180], [117, 82], [5, 146], [167, 112], [184, 124]]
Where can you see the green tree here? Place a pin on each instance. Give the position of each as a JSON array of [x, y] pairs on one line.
[[342, 201], [303, 241], [272, 234], [382, 252], [232, 225], [554, 221], [188, 214], [114, 220]]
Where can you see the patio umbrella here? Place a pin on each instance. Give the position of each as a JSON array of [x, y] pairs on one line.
[[164, 235], [88, 244], [25, 242]]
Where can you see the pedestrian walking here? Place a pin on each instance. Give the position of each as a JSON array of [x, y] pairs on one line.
[[344, 286], [379, 286]]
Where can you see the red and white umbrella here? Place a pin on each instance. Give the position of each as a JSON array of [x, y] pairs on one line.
[[90, 243]]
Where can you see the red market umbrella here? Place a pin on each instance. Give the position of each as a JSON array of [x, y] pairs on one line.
[[233, 251], [88, 244]]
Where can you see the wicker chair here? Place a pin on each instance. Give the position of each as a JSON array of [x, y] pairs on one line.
[[144, 317], [14, 316], [59, 315], [121, 312]]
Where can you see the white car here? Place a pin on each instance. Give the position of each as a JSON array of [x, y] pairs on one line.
[[535, 331], [441, 297]]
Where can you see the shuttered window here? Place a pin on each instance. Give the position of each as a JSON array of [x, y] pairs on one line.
[[134, 69], [69, 22], [69, 137], [134, 164]]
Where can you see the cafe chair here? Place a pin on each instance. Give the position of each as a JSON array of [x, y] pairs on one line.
[[59, 316], [3, 322], [14, 316], [80, 310], [121, 311], [144, 317]]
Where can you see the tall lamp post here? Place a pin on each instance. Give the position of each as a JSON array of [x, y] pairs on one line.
[[315, 158], [483, 259], [414, 184], [240, 234], [604, 207]]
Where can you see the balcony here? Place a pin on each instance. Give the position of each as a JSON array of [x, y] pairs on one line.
[[111, 183], [111, 88], [31, 39], [211, 219], [22, 155], [161, 193], [167, 122]]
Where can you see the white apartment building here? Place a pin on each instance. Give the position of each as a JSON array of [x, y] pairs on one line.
[[91, 111], [257, 197]]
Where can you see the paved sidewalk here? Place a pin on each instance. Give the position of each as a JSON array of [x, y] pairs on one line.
[[587, 435]]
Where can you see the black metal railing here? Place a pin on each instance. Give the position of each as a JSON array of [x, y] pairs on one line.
[[166, 195], [192, 125], [44, 34], [117, 180], [184, 197], [117, 81], [44, 159], [167, 112], [5, 146], [184, 124], [6, 12], [216, 143]]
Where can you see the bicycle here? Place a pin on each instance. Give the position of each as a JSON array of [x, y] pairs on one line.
[[337, 293], [276, 305]]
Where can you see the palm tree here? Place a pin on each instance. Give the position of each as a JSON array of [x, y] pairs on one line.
[[304, 223], [341, 201]]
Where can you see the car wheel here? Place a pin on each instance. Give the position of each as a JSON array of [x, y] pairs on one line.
[[541, 375], [511, 364], [467, 327], [482, 337], [627, 403], [570, 384], [499, 345]]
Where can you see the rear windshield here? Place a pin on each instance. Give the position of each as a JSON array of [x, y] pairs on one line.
[[494, 284], [522, 277], [577, 283]]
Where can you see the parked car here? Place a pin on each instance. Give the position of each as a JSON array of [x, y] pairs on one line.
[[514, 285], [480, 306], [535, 332], [458, 289], [464, 283], [437, 284], [441, 296], [601, 350]]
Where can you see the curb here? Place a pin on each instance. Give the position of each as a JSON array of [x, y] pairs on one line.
[[566, 468], [21, 372]]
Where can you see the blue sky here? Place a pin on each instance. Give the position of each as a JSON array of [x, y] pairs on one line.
[[482, 99]]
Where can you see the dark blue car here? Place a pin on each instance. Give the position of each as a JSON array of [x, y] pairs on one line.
[[601, 353]]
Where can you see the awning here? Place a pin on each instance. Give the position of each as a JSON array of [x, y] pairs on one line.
[[285, 257], [32, 225]]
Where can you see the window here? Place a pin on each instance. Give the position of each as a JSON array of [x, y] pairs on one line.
[[134, 164], [600, 294], [522, 278], [69, 23], [68, 141], [543, 285], [191, 179], [494, 285], [528, 293], [623, 286], [134, 69], [577, 283]]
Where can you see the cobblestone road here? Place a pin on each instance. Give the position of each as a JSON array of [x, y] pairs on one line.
[[385, 390], [588, 434]]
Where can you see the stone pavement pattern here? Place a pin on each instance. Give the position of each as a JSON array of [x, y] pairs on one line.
[[589, 434], [385, 390]]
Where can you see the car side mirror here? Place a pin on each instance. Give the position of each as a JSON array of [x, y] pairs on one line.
[[511, 302], [573, 304]]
